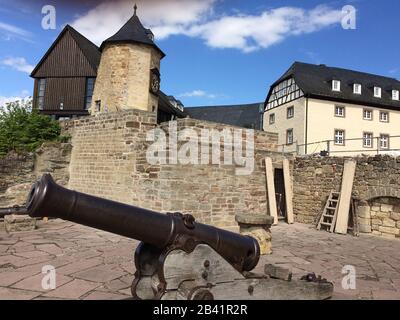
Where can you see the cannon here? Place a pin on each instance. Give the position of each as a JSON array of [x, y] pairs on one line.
[[178, 257]]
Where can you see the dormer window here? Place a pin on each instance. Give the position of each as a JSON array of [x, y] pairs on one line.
[[357, 88], [335, 85], [377, 92], [395, 95]]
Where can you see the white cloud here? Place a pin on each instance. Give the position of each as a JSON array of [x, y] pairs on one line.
[[164, 17], [200, 94], [13, 29], [253, 32], [18, 63], [4, 100], [196, 18], [9, 31]]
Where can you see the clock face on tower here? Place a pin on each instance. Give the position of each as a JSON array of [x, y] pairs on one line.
[[154, 82]]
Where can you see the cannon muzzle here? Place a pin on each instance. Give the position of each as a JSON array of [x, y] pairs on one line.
[[164, 231]]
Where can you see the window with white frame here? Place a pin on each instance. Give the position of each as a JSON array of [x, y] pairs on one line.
[[377, 92], [339, 137], [289, 136], [368, 139], [384, 116], [357, 88], [395, 94], [335, 85], [339, 111], [272, 118], [384, 141], [367, 114], [290, 112]]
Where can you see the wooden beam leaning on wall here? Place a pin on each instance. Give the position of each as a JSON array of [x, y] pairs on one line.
[[271, 197], [345, 196], [288, 191]]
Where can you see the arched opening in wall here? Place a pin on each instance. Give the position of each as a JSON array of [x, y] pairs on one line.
[[380, 216]]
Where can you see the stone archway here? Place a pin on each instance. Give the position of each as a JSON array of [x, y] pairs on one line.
[[380, 192]]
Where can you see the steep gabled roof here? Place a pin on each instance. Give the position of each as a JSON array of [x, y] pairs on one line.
[[244, 115], [315, 81], [132, 32], [88, 48]]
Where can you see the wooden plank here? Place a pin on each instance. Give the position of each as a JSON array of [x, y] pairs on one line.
[[272, 289], [345, 197], [288, 191], [269, 174]]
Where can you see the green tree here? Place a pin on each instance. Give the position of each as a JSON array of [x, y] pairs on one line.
[[24, 129]]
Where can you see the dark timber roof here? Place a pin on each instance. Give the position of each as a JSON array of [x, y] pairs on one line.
[[88, 48], [132, 32], [245, 115], [316, 82]]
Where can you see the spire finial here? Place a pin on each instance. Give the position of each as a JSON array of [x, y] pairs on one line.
[[134, 8]]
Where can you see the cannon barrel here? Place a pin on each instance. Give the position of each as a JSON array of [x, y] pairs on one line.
[[48, 199], [18, 210]]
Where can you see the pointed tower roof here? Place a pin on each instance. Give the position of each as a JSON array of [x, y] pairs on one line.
[[133, 32]]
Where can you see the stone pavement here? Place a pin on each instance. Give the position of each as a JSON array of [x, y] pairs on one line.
[[92, 264]]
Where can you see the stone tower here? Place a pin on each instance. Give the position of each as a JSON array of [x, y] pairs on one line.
[[129, 72]]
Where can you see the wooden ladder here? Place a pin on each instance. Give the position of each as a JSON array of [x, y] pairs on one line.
[[329, 215]]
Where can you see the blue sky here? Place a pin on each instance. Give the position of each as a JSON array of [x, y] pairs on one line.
[[218, 52]]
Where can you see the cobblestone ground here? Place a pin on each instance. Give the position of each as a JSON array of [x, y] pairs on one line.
[[92, 264]]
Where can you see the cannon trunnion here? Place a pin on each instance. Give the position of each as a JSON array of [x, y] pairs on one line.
[[178, 258]]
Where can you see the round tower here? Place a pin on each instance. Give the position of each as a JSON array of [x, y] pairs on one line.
[[128, 76]]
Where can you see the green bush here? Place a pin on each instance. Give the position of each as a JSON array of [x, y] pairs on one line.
[[24, 129]]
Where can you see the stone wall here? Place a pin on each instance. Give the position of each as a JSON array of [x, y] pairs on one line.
[[109, 160], [19, 171], [376, 177], [15, 168], [104, 152], [380, 216], [214, 194]]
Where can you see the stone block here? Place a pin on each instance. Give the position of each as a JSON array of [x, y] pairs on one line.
[[386, 208], [364, 212], [398, 224], [278, 272], [395, 216], [15, 223], [388, 223], [389, 230], [254, 219], [382, 214], [363, 221], [377, 222], [376, 208], [364, 228], [377, 233]]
